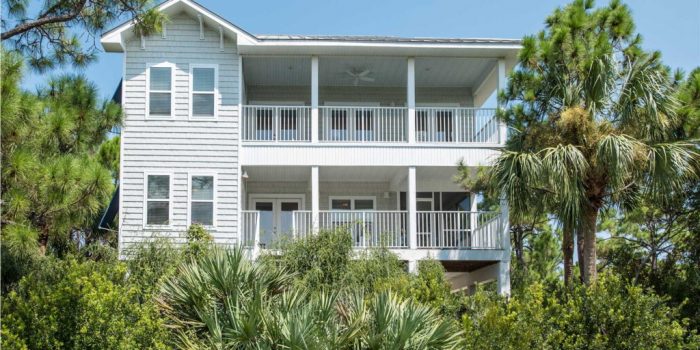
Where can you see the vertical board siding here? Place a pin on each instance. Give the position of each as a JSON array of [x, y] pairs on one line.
[[327, 190], [180, 146]]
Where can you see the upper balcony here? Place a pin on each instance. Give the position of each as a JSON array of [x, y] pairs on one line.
[[370, 100]]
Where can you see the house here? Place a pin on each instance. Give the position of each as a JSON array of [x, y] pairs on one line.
[[265, 138]]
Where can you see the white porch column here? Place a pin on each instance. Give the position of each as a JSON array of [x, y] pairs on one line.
[[314, 198], [504, 265], [473, 215], [411, 99], [411, 205], [314, 99], [501, 86]]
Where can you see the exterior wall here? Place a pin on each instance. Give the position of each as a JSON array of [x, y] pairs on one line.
[[327, 190], [386, 96], [179, 146]]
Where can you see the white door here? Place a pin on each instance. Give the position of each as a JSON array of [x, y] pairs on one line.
[[276, 218]]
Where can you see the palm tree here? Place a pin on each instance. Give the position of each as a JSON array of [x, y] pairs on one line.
[[224, 301], [591, 116]]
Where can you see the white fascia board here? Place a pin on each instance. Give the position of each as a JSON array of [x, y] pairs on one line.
[[111, 39], [308, 47]]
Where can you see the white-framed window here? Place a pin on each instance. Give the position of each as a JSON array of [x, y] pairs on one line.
[[352, 203], [202, 199], [204, 89], [157, 199], [159, 90]]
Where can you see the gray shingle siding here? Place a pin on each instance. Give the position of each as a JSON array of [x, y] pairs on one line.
[[179, 146]]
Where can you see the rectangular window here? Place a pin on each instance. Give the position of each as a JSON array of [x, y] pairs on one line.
[[158, 200], [160, 91], [202, 200], [204, 85], [360, 203]]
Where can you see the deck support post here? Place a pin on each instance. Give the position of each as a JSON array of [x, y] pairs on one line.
[[314, 199], [411, 99], [413, 267], [473, 217], [504, 265], [314, 99], [412, 213]]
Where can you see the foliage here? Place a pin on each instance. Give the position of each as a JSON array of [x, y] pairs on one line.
[[108, 155], [199, 241], [59, 31], [224, 300], [79, 305], [53, 184], [592, 118], [609, 315], [320, 261]]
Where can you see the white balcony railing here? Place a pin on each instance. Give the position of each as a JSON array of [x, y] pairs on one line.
[[370, 124], [363, 124], [435, 229], [460, 125], [276, 123], [458, 230], [250, 228]]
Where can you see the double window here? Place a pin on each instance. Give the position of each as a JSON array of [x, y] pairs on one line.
[[352, 203], [204, 87], [157, 200], [203, 90], [160, 90], [202, 200]]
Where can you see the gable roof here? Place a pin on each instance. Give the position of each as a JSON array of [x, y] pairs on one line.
[[112, 39]]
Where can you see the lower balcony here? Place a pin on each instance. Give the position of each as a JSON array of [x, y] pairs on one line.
[[372, 229]]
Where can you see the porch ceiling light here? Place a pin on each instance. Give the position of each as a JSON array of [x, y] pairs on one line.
[[245, 175]]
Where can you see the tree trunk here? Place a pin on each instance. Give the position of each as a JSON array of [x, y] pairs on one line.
[[579, 253], [588, 228], [567, 248]]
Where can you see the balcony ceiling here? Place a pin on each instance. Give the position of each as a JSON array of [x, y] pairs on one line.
[[386, 71]]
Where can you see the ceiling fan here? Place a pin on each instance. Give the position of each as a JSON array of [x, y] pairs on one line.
[[359, 75]]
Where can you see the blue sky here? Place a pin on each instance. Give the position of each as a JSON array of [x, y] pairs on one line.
[[673, 27]]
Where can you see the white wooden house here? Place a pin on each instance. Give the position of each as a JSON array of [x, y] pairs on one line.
[[268, 138]]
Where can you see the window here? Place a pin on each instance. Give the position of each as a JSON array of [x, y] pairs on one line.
[[202, 200], [264, 123], [288, 124], [350, 203], [204, 86], [158, 200], [364, 125], [160, 79], [339, 125]]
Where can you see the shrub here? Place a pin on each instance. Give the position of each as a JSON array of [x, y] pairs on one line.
[[319, 261], [608, 315], [79, 305]]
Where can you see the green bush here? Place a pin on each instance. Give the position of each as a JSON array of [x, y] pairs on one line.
[[79, 305], [608, 315], [319, 261]]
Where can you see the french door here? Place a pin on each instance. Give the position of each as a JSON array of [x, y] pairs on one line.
[[276, 218]]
